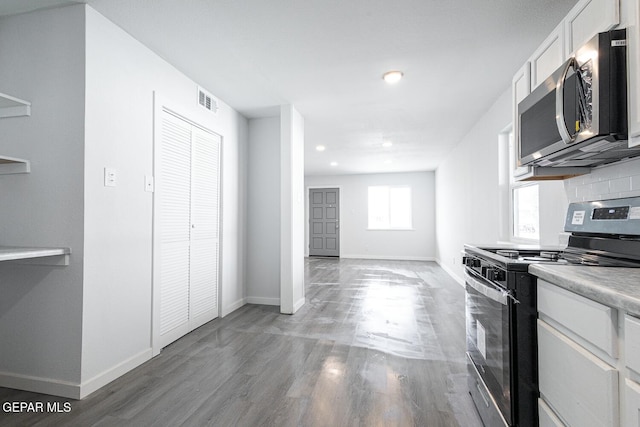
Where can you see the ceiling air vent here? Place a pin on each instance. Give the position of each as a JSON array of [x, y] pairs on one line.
[[206, 100]]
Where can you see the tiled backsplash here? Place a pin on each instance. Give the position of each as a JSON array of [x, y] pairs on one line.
[[621, 179]]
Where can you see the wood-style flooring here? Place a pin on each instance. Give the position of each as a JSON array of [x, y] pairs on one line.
[[378, 343]]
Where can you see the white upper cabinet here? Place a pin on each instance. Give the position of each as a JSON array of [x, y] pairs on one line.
[[521, 84], [521, 87], [588, 18], [548, 57], [633, 61]]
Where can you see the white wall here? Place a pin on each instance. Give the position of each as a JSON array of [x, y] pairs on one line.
[[468, 199], [358, 242], [292, 210], [42, 61], [263, 212], [88, 323], [122, 76], [235, 131]]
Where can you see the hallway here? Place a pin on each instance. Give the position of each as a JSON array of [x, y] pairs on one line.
[[377, 343]]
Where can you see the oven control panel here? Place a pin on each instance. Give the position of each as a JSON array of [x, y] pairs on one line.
[[614, 216], [618, 212]]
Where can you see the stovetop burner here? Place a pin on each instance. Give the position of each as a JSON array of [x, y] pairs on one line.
[[529, 255], [509, 253], [549, 255]]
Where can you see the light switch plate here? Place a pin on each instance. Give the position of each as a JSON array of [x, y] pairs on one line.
[[110, 177]]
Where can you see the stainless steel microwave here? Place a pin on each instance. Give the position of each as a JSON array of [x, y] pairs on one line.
[[578, 116]]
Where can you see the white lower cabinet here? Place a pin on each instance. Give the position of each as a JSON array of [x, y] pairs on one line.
[[632, 364], [547, 418], [582, 388], [577, 360], [588, 361], [632, 403]]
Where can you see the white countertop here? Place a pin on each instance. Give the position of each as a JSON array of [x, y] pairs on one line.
[[612, 286], [11, 253]]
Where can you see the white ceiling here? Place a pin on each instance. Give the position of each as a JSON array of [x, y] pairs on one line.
[[327, 57]]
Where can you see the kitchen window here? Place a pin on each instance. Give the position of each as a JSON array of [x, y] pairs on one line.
[[389, 207], [519, 199], [526, 217]]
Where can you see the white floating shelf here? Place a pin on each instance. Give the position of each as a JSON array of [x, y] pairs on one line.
[[13, 107], [10, 165], [35, 256]]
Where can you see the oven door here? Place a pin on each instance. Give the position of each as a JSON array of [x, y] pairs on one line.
[[489, 316]]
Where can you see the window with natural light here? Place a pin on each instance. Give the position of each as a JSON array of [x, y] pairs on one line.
[[518, 198], [526, 221], [390, 207]]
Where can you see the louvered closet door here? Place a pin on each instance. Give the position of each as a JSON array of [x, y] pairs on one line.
[[187, 212], [174, 227], [204, 226]]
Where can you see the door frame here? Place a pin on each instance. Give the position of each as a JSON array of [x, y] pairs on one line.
[[160, 104], [308, 213]]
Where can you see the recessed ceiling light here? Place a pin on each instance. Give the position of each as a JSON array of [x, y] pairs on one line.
[[334, 163], [387, 144], [392, 77], [320, 148]]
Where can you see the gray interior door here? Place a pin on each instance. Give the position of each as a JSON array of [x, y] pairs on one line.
[[324, 225]]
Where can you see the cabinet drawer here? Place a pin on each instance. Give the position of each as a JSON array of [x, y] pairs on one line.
[[594, 322], [632, 342], [546, 416], [582, 389]]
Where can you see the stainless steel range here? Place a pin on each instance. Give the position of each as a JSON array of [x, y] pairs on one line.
[[501, 308]]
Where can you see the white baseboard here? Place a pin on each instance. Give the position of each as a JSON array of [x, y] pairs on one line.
[[450, 272], [388, 258], [72, 390], [263, 301], [299, 304], [115, 372], [232, 307], [40, 385]]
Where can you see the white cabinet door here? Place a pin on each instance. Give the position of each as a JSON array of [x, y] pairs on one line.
[[588, 18], [632, 403], [548, 57], [633, 61], [581, 388], [632, 343], [546, 416], [520, 88]]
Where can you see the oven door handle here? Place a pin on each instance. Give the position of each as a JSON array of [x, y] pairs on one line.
[[501, 296]]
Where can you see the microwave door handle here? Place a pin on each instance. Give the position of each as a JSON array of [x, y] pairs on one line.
[[567, 138]]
